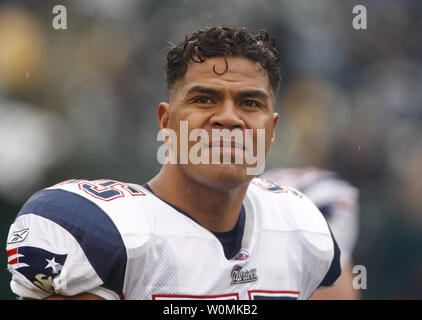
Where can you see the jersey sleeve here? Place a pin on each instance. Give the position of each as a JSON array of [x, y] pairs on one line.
[[321, 253], [339, 203], [334, 271], [62, 243], [335, 197]]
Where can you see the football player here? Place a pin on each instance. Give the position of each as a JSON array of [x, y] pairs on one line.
[[338, 201], [196, 230]]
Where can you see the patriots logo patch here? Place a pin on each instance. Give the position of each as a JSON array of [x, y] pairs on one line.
[[37, 265], [242, 276]]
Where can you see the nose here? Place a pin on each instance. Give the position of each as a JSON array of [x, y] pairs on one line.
[[227, 116]]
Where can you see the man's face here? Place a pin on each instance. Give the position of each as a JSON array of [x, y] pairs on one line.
[[238, 100]]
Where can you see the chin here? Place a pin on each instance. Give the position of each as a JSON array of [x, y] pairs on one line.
[[219, 176]]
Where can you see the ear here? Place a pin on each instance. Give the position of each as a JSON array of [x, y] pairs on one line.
[[275, 120], [163, 114]]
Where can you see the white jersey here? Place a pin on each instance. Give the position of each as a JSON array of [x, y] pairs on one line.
[[334, 197], [120, 241]]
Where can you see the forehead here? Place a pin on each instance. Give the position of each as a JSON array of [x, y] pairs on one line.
[[241, 73]]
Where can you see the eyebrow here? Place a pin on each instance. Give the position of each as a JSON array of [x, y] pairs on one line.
[[253, 94], [201, 89], [243, 94]]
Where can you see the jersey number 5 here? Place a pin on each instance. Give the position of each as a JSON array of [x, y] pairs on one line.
[[106, 190]]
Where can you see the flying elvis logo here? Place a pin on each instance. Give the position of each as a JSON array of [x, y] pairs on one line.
[[37, 265]]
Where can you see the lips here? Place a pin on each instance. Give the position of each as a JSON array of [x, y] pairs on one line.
[[226, 144]]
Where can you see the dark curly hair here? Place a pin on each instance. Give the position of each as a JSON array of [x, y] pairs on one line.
[[216, 41]]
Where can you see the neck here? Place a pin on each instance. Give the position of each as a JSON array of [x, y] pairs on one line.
[[216, 209]]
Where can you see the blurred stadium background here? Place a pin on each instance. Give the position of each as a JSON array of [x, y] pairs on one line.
[[81, 103]]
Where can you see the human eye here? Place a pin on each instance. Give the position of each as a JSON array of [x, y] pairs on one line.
[[251, 103], [203, 100]]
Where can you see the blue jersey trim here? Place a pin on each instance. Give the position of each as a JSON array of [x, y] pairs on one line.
[[232, 240], [326, 210], [92, 228], [335, 268]]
